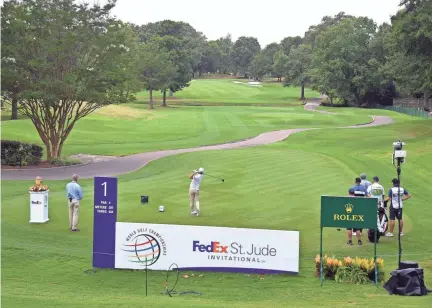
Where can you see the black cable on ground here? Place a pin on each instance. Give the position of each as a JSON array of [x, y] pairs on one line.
[[172, 291], [167, 291]]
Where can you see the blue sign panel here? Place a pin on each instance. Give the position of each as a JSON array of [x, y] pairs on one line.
[[104, 221]]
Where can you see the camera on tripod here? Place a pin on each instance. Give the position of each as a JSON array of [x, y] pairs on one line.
[[398, 153]]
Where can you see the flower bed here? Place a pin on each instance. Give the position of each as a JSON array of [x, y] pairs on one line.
[[350, 270]]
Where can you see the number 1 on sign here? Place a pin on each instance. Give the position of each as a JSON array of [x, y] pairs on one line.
[[104, 184]]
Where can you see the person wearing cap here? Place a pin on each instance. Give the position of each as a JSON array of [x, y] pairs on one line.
[[357, 190], [194, 189], [376, 190], [395, 193], [364, 182]]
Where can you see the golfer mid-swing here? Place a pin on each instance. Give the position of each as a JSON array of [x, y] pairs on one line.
[[194, 188]]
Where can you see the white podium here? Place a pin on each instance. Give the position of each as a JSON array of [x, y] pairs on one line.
[[39, 206]]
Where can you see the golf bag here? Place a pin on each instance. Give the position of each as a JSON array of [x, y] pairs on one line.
[[382, 225]]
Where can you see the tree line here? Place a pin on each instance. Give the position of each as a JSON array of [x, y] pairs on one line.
[[62, 60]]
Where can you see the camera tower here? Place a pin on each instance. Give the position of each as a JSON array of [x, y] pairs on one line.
[[400, 156]]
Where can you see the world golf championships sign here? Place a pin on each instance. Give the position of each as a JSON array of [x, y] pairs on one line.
[[128, 245], [348, 212]]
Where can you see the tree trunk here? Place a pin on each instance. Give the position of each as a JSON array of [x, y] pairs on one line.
[[164, 104], [48, 150], [426, 99], [53, 150], [151, 98], [302, 91], [171, 93], [14, 115], [331, 100]]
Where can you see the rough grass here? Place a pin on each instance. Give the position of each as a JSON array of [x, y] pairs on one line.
[[124, 112], [276, 186]]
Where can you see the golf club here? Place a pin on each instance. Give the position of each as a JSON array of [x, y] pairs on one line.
[[215, 177], [212, 176]]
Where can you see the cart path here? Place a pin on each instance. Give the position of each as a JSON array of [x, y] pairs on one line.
[[127, 164]]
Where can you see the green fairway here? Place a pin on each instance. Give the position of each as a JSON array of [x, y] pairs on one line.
[[233, 91], [276, 187], [127, 129]]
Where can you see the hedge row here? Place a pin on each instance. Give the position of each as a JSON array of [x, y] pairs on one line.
[[327, 104], [14, 153]]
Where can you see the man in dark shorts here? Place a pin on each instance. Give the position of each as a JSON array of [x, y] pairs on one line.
[[357, 190], [394, 194]]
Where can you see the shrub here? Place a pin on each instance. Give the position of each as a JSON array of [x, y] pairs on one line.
[[14, 152], [358, 270], [327, 104], [64, 161]]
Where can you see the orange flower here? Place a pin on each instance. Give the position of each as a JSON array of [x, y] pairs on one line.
[[317, 259], [329, 262], [347, 260]]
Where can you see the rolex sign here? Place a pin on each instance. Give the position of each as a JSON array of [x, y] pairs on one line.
[[348, 212]]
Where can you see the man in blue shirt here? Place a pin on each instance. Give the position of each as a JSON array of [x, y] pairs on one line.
[[357, 190], [74, 195], [395, 193]]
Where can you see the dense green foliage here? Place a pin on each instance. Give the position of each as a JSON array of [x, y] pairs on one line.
[[71, 60], [14, 153]]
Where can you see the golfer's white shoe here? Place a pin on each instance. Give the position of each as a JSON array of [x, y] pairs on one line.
[[389, 234], [401, 233], [197, 212], [193, 212]]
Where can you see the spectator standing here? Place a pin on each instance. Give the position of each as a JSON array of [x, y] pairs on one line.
[[397, 195], [74, 195], [364, 181]]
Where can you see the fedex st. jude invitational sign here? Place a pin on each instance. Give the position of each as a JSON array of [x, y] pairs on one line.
[[157, 246]]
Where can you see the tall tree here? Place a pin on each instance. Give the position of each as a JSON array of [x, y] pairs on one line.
[[270, 52], [412, 59], [66, 63], [260, 66], [187, 51], [342, 59], [155, 68], [225, 45], [314, 31], [11, 79], [280, 64], [211, 58], [178, 57], [290, 42], [243, 52], [298, 66]]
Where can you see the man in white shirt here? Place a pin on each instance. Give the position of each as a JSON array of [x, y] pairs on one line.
[[376, 190], [194, 188]]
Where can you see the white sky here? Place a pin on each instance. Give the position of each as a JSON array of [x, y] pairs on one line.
[[269, 21]]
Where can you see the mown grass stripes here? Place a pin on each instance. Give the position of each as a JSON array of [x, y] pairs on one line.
[[276, 186], [173, 128]]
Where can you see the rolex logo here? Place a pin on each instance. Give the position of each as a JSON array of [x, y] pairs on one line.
[[349, 208]]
